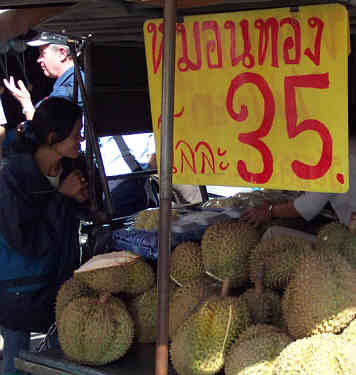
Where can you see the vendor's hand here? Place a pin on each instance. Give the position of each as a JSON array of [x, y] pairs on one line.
[[258, 215], [75, 186], [20, 92]]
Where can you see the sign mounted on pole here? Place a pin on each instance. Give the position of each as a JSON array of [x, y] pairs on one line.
[[261, 98]]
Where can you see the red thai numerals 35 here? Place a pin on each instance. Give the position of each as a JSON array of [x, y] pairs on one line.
[[254, 138]]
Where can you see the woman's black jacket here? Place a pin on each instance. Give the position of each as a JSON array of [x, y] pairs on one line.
[[39, 243]]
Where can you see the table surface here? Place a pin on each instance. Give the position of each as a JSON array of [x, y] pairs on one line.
[[140, 360]]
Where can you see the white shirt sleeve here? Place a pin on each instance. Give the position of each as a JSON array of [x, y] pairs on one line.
[[310, 204], [2, 114]]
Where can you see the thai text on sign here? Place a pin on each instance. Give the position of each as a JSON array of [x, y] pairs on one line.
[[260, 98]]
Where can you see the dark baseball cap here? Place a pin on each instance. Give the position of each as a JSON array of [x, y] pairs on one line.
[[46, 37]]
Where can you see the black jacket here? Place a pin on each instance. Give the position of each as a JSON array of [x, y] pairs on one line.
[[39, 243]]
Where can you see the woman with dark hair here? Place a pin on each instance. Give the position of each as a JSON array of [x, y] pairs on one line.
[[43, 187]]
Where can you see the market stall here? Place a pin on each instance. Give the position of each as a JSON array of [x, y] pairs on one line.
[[314, 66]]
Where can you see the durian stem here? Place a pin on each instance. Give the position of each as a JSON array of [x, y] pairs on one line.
[[213, 276], [225, 288], [104, 296], [175, 281]]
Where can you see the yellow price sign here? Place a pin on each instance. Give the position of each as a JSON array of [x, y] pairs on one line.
[[261, 98]]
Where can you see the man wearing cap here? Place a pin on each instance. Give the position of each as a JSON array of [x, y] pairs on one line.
[[56, 62]]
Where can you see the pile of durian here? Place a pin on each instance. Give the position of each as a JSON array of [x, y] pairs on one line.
[[237, 305], [149, 218]]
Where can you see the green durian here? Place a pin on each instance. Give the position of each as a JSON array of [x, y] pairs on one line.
[[186, 299], [120, 271], [95, 331], [226, 248], [321, 297], [279, 256], [256, 355], [186, 262], [200, 345]]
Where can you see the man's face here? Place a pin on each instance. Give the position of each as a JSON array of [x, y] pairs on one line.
[[50, 60]]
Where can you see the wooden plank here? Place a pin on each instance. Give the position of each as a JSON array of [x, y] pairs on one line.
[[139, 360], [35, 368], [10, 4], [183, 3]]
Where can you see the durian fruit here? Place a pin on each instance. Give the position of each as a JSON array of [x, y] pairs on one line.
[[201, 343], [279, 256], [309, 356], [345, 356], [256, 355], [226, 202], [331, 237], [257, 330], [144, 309], [336, 237], [265, 307], [95, 331], [186, 299], [349, 333], [321, 298], [226, 248], [70, 290], [348, 250], [186, 262], [119, 271], [149, 219]]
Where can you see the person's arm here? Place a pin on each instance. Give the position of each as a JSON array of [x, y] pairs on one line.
[[284, 210], [266, 211], [307, 206], [311, 203], [22, 95]]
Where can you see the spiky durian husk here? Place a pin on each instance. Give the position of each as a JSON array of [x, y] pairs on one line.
[[309, 356], [321, 298], [331, 237], [349, 333], [186, 299], [226, 247], [348, 250], [144, 309], [255, 355], [149, 219], [70, 290], [200, 345], [279, 256], [345, 355], [264, 308], [94, 332], [133, 277], [234, 201], [256, 330], [141, 277], [186, 262]]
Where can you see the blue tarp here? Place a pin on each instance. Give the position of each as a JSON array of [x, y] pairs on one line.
[[145, 243]]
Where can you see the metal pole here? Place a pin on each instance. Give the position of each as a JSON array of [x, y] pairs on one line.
[[89, 156], [165, 194], [91, 135]]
